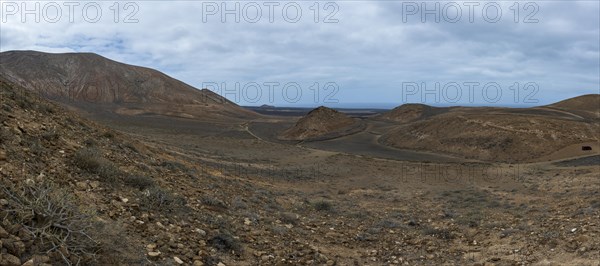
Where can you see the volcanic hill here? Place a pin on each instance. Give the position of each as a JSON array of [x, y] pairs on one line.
[[322, 123], [411, 112], [87, 80], [503, 134]]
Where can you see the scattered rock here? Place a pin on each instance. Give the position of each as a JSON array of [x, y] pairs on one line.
[[3, 233], [178, 260], [200, 232], [264, 258], [15, 247], [9, 260], [154, 254], [82, 185], [29, 263], [95, 184]]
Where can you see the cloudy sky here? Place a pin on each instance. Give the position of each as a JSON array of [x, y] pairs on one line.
[[344, 53]]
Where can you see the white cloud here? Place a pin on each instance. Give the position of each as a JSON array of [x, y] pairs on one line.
[[369, 52]]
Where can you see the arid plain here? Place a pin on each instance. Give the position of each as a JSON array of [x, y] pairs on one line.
[[159, 173]]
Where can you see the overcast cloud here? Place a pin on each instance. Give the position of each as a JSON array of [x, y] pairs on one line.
[[373, 51]]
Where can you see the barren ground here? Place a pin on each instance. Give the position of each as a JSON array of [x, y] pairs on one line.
[[168, 191]]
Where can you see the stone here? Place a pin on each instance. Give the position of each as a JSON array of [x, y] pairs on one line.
[[15, 247], [154, 254], [198, 263], [40, 259], [151, 247], [82, 185], [95, 184], [3, 202], [178, 260], [200, 232], [10, 260], [40, 177]]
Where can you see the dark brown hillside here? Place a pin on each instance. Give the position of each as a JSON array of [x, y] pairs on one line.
[[72, 191], [92, 79], [412, 112], [321, 122]]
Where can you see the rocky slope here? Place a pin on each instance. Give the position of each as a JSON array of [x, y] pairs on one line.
[[411, 112], [75, 192], [500, 134], [321, 123], [84, 79]]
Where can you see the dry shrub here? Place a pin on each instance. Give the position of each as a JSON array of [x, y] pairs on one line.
[[159, 199], [51, 218], [140, 182], [90, 160]]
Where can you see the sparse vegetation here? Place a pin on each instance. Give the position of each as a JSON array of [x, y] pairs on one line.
[[52, 220], [214, 202], [90, 143], [91, 160], [36, 147], [108, 135], [131, 146], [50, 135], [156, 198], [140, 182], [5, 135], [323, 206], [439, 233], [472, 218], [289, 218], [173, 166], [225, 242]]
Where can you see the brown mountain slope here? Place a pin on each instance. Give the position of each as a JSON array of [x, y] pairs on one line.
[[494, 134], [322, 123], [412, 112], [587, 106], [83, 79]]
